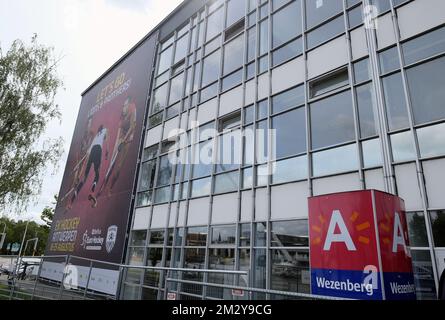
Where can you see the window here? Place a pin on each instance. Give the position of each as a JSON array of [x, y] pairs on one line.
[[427, 90], [202, 163], [144, 198], [223, 235], [372, 154], [248, 114], [290, 234], [416, 229], [332, 120], [176, 88], [244, 235], [181, 48], [227, 182], [286, 23], [438, 226], [403, 147], [212, 45], [230, 122], [263, 64], [325, 32], [233, 54], [336, 160], [424, 46], [214, 24], [262, 109], [235, 11], [232, 80], [262, 141], [362, 71], [147, 176], [157, 237], [431, 140], [355, 17], [260, 234], [162, 195], [382, 5], [150, 152], [165, 171], [292, 169], [173, 110], [251, 44], [264, 37], [395, 102], [288, 99], [367, 110], [290, 132], [290, 270], [209, 92], [318, 11], [138, 238], [287, 52], [210, 69], [247, 178], [229, 147], [389, 60], [201, 187], [329, 83], [196, 236], [234, 30], [165, 60], [159, 98]]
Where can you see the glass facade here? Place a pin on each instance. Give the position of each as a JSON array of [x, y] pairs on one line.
[[375, 120]]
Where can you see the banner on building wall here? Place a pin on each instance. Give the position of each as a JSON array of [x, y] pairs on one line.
[[359, 246], [94, 202]]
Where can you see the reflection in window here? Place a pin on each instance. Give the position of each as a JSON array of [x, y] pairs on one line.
[[403, 147], [202, 163], [165, 171], [201, 187], [235, 11], [214, 24], [221, 259], [423, 274], [162, 195], [165, 60], [159, 98], [362, 70], [138, 238], [181, 48], [227, 182], [432, 140], [223, 234], [146, 180], [424, 46], [290, 234], [288, 99], [416, 229], [259, 272], [332, 120], [395, 102], [336, 160], [286, 23], [427, 90], [233, 54], [372, 155], [325, 32], [367, 110], [289, 170], [389, 60], [438, 225], [210, 69], [264, 37], [176, 88], [290, 132], [290, 50], [245, 235], [196, 236], [260, 234], [290, 270], [247, 178], [317, 11], [328, 83]]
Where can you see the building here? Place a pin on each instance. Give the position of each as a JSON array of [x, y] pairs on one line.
[[355, 92]]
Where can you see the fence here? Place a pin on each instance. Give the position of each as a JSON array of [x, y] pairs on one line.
[[66, 277]]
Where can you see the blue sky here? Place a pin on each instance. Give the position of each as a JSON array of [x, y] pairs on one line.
[[89, 35]]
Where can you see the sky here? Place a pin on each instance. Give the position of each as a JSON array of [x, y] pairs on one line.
[[89, 36]]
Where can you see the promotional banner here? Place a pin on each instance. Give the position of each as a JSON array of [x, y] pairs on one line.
[[94, 201], [359, 246]]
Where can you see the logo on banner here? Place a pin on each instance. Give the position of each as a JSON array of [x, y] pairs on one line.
[[111, 238]]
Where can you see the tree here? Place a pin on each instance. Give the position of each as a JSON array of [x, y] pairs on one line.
[[48, 213], [28, 84]]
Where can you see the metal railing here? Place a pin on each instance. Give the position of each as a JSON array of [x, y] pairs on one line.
[[68, 277]]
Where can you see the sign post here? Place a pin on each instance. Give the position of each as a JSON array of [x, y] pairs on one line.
[[359, 246]]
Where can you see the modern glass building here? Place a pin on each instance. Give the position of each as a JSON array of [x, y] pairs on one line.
[[355, 91]]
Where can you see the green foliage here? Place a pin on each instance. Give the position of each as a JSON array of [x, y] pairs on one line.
[[28, 84], [48, 213], [15, 231]]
